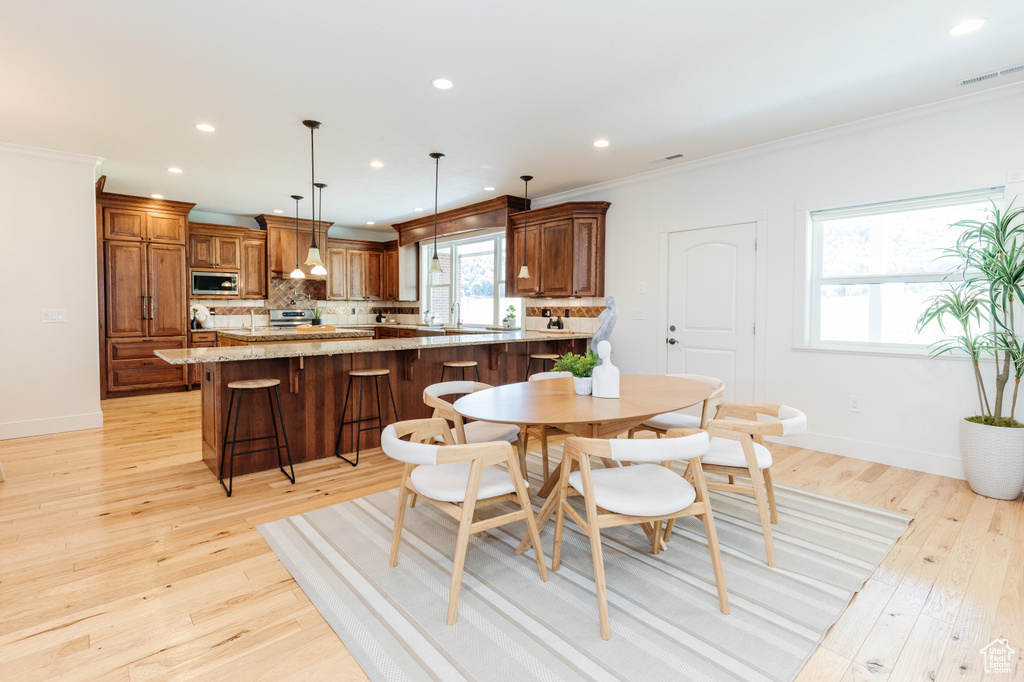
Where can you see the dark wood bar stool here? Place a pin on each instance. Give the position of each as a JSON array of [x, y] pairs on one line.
[[241, 388], [543, 357], [364, 375], [460, 367]]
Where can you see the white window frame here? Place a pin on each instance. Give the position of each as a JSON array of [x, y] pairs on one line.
[[816, 280], [426, 254]]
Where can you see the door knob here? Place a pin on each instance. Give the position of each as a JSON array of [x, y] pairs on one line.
[[671, 342]]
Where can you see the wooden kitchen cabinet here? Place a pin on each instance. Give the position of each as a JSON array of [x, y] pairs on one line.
[[199, 339], [372, 275], [253, 278], [143, 292], [337, 273], [363, 274], [564, 247], [389, 272], [212, 252]]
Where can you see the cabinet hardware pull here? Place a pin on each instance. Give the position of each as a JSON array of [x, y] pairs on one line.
[[144, 308], [152, 308]]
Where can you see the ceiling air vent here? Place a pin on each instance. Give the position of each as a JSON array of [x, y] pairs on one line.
[[670, 157], [991, 74]]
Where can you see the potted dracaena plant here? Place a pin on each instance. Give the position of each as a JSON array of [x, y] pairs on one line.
[[582, 368], [976, 309]]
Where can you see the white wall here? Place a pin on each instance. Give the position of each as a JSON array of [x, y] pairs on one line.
[[50, 377], [910, 406]]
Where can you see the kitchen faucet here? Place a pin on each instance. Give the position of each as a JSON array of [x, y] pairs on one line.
[[456, 313]]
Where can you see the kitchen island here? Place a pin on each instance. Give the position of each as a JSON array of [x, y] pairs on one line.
[[314, 377]]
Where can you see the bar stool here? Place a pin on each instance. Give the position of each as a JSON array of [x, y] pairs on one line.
[[364, 375], [459, 367], [543, 357], [241, 387]]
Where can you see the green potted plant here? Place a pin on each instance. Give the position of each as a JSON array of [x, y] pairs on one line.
[[318, 313], [976, 303], [582, 368], [509, 320]]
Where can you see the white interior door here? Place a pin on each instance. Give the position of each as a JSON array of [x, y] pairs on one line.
[[711, 306]]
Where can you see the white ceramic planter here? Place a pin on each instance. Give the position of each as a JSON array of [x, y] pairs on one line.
[[583, 385], [993, 459]]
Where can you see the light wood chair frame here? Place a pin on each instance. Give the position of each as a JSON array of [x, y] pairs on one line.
[[446, 410], [738, 421], [704, 416], [576, 455], [481, 455]]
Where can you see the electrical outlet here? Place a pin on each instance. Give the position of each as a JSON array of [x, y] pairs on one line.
[[642, 288], [638, 314], [545, 312], [854, 403], [568, 312]]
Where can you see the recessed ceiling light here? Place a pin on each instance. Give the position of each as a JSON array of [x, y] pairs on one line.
[[417, 209], [277, 210], [441, 83], [376, 164], [488, 189], [370, 222], [205, 127], [156, 196], [600, 143], [966, 26], [175, 170]]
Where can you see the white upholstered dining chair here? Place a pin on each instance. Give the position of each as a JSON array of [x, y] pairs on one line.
[[737, 450], [680, 420], [473, 432], [542, 431], [646, 492], [458, 480]]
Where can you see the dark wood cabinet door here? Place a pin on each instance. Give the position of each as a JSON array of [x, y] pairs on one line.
[[337, 274], [356, 261], [228, 253], [165, 269], [201, 251], [588, 258], [524, 240], [556, 258], [372, 275], [119, 223], [132, 366], [281, 252], [254, 269], [125, 281], [389, 275], [167, 228]]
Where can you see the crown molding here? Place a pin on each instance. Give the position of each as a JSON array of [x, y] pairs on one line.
[[51, 155], [894, 119]]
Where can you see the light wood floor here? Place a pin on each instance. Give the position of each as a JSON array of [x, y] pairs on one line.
[[122, 559]]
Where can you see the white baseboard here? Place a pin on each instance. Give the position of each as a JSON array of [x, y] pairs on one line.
[[40, 427], [929, 463]]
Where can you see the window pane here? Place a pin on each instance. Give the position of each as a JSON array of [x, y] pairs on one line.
[[475, 282], [894, 242], [844, 313], [902, 303], [439, 304], [504, 303]]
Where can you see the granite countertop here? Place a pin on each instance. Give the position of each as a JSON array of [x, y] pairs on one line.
[[283, 334], [190, 356]]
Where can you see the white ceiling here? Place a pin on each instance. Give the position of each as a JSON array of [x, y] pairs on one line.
[[536, 82]]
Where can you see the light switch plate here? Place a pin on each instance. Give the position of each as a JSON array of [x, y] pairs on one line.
[[638, 314], [51, 315]]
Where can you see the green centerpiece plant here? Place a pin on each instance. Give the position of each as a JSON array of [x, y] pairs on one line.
[[581, 367], [976, 309]]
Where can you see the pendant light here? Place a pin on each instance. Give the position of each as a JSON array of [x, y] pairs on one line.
[[524, 272], [435, 262], [319, 268], [297, 273], [313, 257]]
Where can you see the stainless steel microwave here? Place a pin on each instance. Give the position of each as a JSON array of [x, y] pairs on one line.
[[214, 284]]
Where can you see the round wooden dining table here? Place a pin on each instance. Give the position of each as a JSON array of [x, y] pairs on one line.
[[553, 402]]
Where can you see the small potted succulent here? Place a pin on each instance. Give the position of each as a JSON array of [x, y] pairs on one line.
[[582, 368], [318, 314]]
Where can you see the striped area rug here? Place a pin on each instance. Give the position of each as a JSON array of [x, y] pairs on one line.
[[512, 626]]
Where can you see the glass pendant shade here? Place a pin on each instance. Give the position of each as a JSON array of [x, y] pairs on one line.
[[313, 258], [298, 274], [524, 271], [435, 265]]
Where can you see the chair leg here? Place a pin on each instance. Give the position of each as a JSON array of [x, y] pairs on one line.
[[595, 549], [764, 513], [444, 368], [523, 495], [477, 369], [344, 412], [561, 498], [412, 500], [462, 543], [668, 530], [394, 409], [732, 480], [656, 538], [284, 435], [396, 537], [544, 449], [709, 529], [631, 432], [770, 488]]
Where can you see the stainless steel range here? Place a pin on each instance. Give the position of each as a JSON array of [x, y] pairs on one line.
[[290, 318]]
